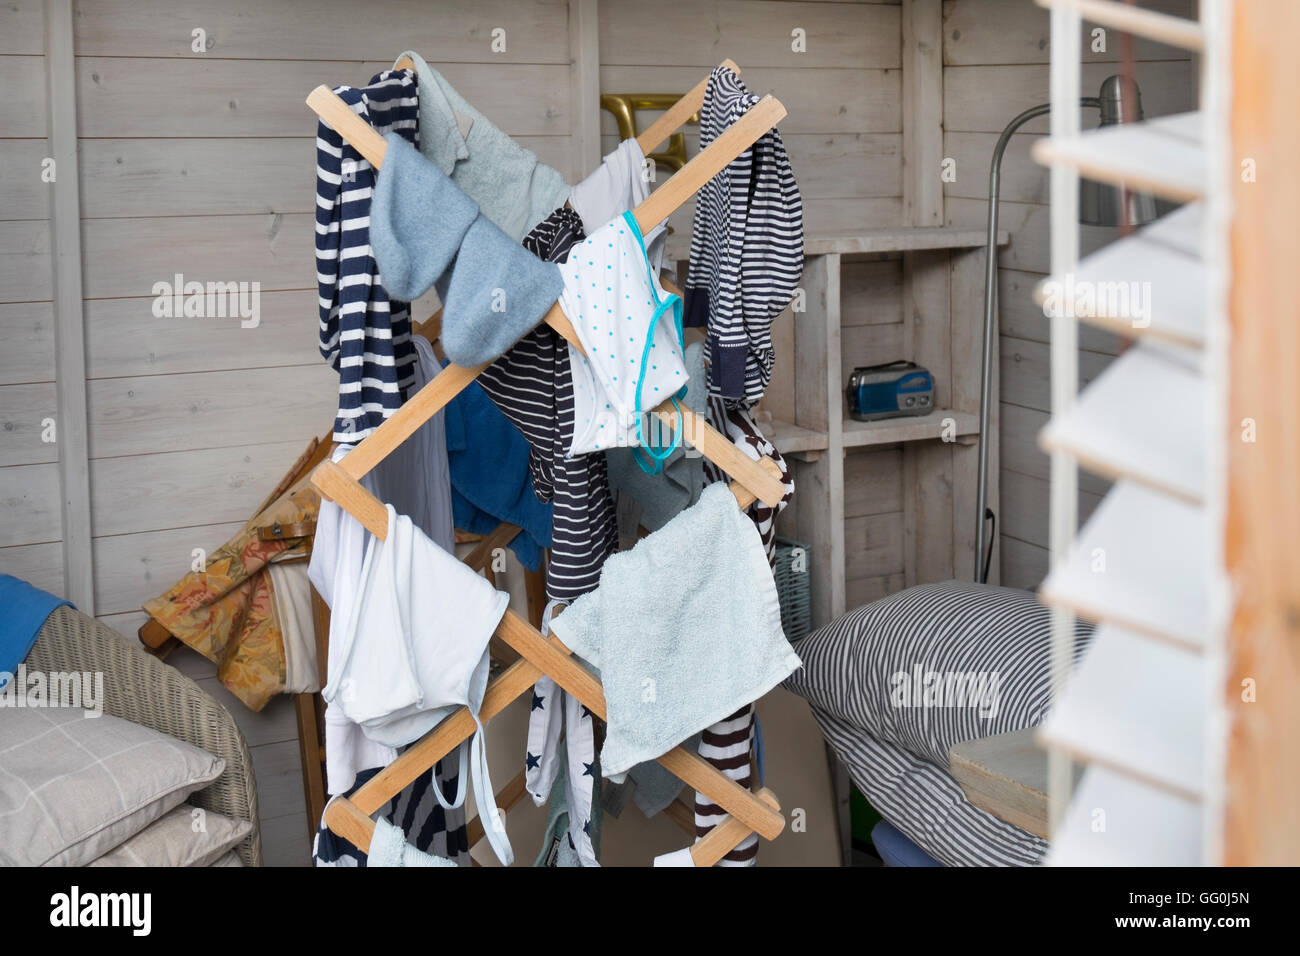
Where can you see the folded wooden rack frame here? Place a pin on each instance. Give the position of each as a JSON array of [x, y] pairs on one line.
[[752, 480]]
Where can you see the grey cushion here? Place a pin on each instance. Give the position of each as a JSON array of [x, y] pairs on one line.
[[186, 836], [872, 669], [73, 786]]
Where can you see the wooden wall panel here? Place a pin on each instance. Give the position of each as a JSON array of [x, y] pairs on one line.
[[125, 257], [25, 195], [456, 31], [842, 100], [996, 55], [41, 564], [132, 568], [22, 108], [29, 501], [22, 27], [27, 330], [123, 338], [230, 409], [198, 97], [1005, 31], [23, 408], [751, 32], [30, 516], [25, 261], [983, 99], [873, 482], [181, 488]]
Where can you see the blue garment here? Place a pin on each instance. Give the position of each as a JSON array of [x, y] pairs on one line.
[[25, 610], [490, 481], [896, 849], [426, 232]]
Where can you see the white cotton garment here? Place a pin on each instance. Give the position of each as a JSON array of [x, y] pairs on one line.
[[631, 331], [337, 553], [416, 479], [415, 645], [621, 183], [414, 649], [680, 857]]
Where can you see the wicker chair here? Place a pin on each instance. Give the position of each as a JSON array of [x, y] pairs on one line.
[[145, 691]]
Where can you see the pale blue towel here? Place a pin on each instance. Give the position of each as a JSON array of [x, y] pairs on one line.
[[680, 646], [512, 188], [495, 290]]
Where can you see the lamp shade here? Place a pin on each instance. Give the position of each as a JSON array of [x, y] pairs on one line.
[[1101, 204]]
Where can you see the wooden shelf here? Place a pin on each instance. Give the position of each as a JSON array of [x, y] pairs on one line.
[[899, 240], [790, 439], [1005, 775], [918, 428], [1162, 156]]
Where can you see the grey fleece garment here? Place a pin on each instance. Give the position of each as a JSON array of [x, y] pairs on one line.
[[512, 188]]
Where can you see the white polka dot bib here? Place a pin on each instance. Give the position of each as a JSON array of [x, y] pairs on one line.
[[631, 329]]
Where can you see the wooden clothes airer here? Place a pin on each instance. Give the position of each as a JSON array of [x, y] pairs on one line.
[[752, 480]]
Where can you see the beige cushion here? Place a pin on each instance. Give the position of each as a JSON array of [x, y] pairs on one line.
[[74, 786], [187, 836], [230, 859]]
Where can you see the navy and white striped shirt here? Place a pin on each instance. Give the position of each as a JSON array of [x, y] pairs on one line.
[[746, 248], [363, 335]]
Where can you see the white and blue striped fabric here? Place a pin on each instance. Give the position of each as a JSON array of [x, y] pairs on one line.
[[746, 248], [366, 337], [868, 677]]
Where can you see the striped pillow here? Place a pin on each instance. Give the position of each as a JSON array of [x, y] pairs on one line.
[[934, 665]]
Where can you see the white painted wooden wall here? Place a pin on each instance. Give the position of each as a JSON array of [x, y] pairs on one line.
[[996, 58]]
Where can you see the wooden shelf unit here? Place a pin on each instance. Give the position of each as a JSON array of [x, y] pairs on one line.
[[942, 331]]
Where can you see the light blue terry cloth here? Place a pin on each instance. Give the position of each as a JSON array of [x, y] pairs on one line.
[[25, 609], [496, 293], [666, 495], [495, 290], [418, 220], [511, 186], [388, 847], [679, 647]]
